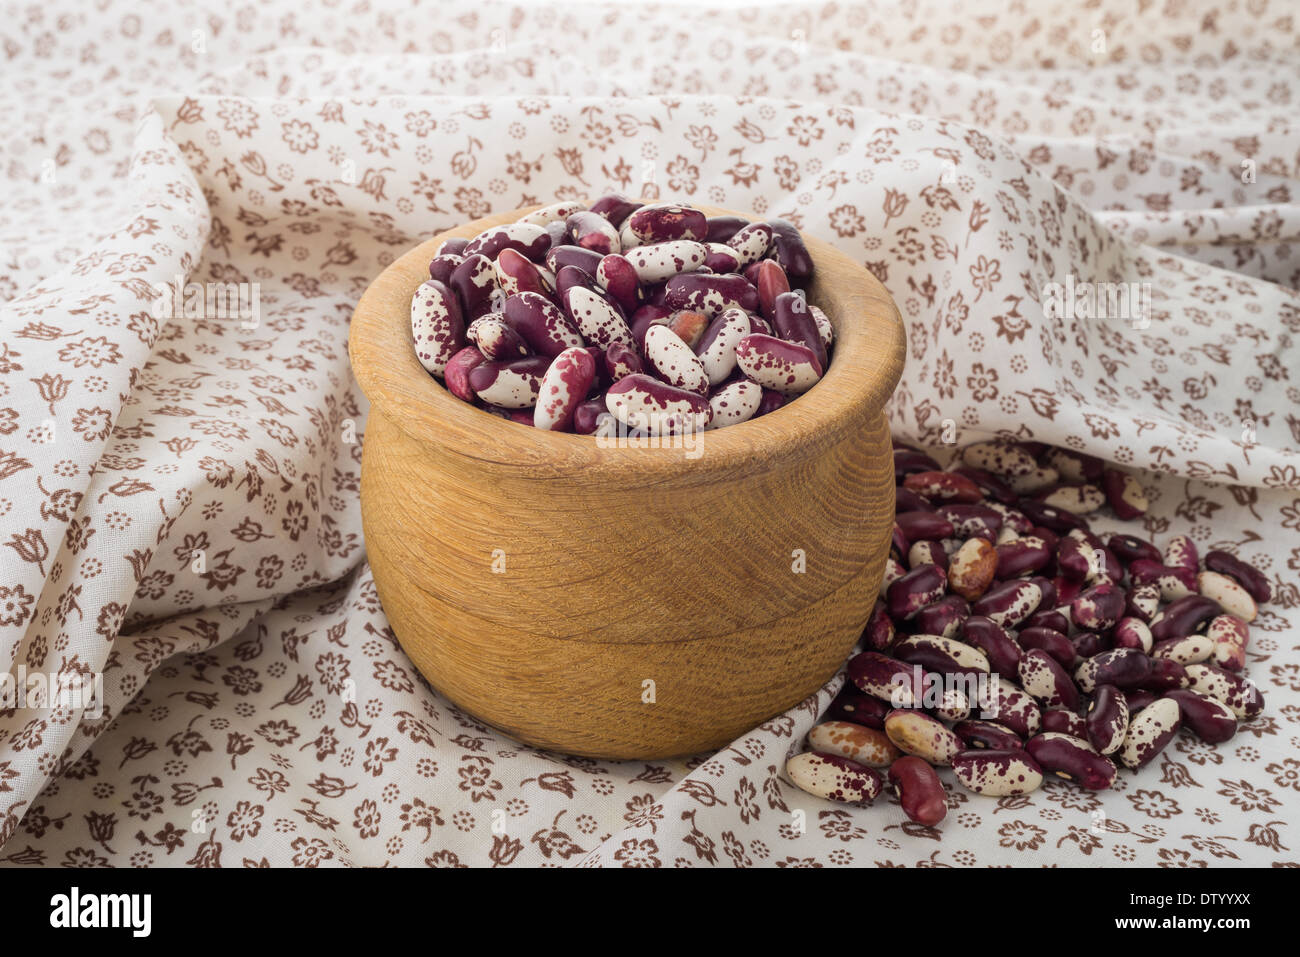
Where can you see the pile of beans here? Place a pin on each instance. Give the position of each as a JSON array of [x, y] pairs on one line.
[[1096, 651], [657, 315]]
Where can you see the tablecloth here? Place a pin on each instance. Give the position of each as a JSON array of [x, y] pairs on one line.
[[179, 495]]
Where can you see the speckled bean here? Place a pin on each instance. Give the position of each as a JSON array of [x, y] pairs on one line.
[[1208, 718], [1180, 552], [599, 321], [885, 678], [541, 324], [513, 384], [1149, 732], [775, 364], [616, 207], [437, 326], [1230, 596], [1107, 719], [666, 222], [673, 361], [711, 295], [643, 402], [1042, 676], [1098, 608], [1229, 635], [928, 553], [734, 403], [556, 212], [1009, 603], [496, 339], [1133, 633], [879, 632], [1070, 757], [916, 589], [971, 568], [1125, 495], [834, 778], [722, 259], [941, 655], [1238, 693], [854, 741], [917, 733], [1009, 705], [997, 773], [789, 251], [594, 232], [566, 383], [1188, 650], [752, 243], [1121, 667], [529, 240], [1142, 601], [664, 260]]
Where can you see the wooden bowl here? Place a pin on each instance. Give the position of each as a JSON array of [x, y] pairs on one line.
[[628, 602]]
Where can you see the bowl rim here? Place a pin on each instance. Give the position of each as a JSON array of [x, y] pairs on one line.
[[870, 350]]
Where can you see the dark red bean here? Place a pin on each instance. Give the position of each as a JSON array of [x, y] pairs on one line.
[[879, 633], [443, 265], [1058, 520], [1098, 608], [991, 638], [943, 617], [907, 461], [918, 588], [905, 500], [1246, 575], [1045, 639], [1073, 759], [615, 207], [1048, 617], [864, 709], [919, 790], [792, 320], [455, 246], [1210, 720], [588, 260], [1048, 601], [1064, 722], [789, 250], [1166, 675], [1021, 557], [722, 228], [972, 521], [1107, 719], [987, 734], [992, 486], [927, 526], [940, 486], [1183, 617], [1088, 644], [1138, 699], [1130, 548]]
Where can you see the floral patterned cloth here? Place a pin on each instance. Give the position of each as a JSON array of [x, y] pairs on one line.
[[178, 497]]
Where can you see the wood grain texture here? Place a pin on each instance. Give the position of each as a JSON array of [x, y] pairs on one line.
[[627, 565]]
